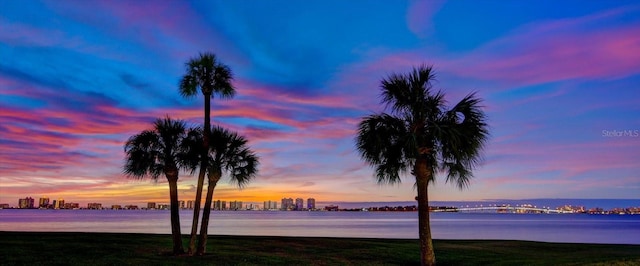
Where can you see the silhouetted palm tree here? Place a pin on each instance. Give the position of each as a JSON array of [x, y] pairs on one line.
[[212, 78], [160, 151], [230, 155], [420, 136]]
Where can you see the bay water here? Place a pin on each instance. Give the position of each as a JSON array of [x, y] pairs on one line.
[[570, 228]]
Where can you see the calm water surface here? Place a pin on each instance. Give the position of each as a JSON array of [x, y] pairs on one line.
[[575, 228]]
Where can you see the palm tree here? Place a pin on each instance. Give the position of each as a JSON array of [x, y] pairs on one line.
[[230, 155], [159, 151], [420, 136], [213, 78]]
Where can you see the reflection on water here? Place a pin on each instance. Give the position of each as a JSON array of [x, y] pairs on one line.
[[621, 229]]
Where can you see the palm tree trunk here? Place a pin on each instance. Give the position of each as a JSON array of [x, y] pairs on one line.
[[175, 216], [202, 241], [196, 211], [203, 167], [423, 174]]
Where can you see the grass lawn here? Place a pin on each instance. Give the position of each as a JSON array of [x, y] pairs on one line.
[[20, 248]]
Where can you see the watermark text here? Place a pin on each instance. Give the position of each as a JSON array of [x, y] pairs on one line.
[[626, 133]]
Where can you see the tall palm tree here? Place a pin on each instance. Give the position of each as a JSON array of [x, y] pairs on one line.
[[159, 151], [212, 78], [422, 137], [230, 155]]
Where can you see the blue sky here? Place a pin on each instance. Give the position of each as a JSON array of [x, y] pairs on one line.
[[558, 79]]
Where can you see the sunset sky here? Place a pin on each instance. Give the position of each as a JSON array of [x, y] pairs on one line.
[[560, 82]]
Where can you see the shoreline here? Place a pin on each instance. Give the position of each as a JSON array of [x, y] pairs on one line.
[[46, 248], [186, 236]]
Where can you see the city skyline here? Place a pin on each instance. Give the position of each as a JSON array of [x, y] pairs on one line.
[[559, 83]]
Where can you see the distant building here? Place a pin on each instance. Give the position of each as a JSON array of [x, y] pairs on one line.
[[26, 203], [131, 207], [299, 204], [311, 204], [181, 204], [4, 206], [270, 205], [219, 205], [163, 206], [116, 207], [190, 204], [59, 204], [287, 204], [235, 205], [151, 205], [71, 205], [43, 203], [94, 206]]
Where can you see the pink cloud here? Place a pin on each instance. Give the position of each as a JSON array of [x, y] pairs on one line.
[[576, 48], [419, 15]]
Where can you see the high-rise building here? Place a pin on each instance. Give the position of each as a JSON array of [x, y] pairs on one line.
[[151, 205], [287, 204], [311, 204], [270, 205], [181, 204], [224, 205], [299, 204], [190, 204], [26, 203], [217, 205], [235, 205], [60, 204], [43, 203]]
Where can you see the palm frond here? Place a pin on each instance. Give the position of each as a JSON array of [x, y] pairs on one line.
[[382, 142], [155, 151], [230, 155], [206, 73], [419, 127]]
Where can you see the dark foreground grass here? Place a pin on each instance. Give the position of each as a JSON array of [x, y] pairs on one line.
[[20, 248]]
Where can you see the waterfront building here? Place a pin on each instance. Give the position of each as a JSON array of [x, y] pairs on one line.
[[311, 204], [116, 207], [94, 206], [287, 204], [270, 205], [163, 206], [235, 205], [4, 206], [59, 204], [131, 207], [26, 203], [190, 204], [181, 204], [71, 205], [299, 204], [43, 203], [219, 205], [151, 205]]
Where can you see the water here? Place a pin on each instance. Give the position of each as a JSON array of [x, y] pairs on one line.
[[572, 228]]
